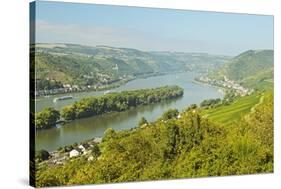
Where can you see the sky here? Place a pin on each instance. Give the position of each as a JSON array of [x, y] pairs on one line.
[[152, 29]]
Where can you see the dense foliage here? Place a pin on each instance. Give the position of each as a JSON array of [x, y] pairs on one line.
[[46, 118], [119, 101], [249, 63], [45, 84], [189, 146], [111, 102], [252, 69], [42, 155], [169, 114], [210, 103], [143, 121], [229, 97]]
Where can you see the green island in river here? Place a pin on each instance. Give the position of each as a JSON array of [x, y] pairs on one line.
[[112, 102]]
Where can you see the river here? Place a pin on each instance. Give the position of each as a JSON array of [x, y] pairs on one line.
[[86, 128]]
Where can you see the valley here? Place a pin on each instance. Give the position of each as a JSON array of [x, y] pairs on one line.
[[64, 68], [214, 118]]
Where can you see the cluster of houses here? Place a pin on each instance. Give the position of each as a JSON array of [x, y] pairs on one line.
[[227, 83], [58, 157], [67, 88], [105, 80]]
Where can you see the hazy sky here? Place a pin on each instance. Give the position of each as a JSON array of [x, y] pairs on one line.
[[152, 29]]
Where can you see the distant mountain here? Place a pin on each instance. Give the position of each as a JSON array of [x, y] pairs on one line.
[[85, 65], [253, 68]]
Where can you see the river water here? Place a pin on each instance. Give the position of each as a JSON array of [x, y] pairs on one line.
[[86, 128]]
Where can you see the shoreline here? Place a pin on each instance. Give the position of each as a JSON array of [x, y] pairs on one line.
[[64, 153], [220, 89], [192, 81], [108, 87], [176, 89]]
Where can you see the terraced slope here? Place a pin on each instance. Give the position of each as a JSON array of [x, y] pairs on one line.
[[228, 114]]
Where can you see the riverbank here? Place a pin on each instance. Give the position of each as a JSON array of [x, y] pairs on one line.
[[224, 114], [95, 126], [220, 89], [73, 90], [226, 84], [112, 102], [62, 154], [113, 85]]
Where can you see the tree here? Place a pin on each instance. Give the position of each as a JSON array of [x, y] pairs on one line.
[[95, 150], [42, 155], [210, 103], [68, 113], [171, 132], [193, 106], [122, 101], [169, 114], [109, 134], [143, 121], [46, 118]]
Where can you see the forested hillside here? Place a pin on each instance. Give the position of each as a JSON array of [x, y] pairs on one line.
[[253, 68], [189, 145], [84, 65]]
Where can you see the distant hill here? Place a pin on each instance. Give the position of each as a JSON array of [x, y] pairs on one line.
[[253, 68], [85, 65]]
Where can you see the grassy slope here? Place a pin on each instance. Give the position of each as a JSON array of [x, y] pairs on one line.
[[249, 63], [232, 113], [262, 80]]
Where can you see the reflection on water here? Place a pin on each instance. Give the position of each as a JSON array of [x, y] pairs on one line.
[[87, 128]]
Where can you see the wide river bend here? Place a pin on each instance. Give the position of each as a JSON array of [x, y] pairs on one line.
[[83, 129]]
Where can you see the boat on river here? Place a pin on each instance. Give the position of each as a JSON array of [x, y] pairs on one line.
[[107, 92], [62, 98]]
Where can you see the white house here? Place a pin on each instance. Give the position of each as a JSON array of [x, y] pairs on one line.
[[82, 148], [74, 153]]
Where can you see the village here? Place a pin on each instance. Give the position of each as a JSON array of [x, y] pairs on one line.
[[88, 149], [228, 84], [105, 83]]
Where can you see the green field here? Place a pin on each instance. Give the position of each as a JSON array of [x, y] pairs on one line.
[[228, 114]]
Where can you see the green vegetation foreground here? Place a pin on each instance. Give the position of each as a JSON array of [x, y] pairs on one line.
[[189, 145]]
